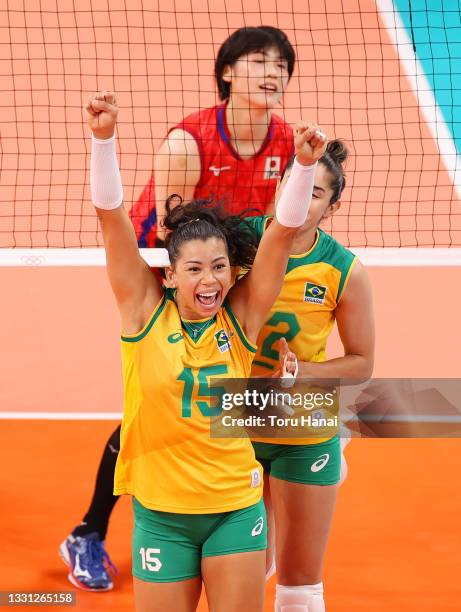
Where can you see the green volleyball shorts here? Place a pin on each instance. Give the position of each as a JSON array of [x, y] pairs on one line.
[[314, 464], [168, 547]]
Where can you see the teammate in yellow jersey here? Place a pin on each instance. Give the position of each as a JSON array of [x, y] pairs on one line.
[[324, 283], [197, 499]]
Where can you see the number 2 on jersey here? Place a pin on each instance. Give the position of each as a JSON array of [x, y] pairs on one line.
[[269, 348]]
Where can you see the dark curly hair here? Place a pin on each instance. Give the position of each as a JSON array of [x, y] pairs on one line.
[[203, 219]]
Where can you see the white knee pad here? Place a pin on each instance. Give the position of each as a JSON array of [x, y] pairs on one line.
[[306, 598]]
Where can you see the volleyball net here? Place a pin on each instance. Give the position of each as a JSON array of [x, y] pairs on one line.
[[384, 76]]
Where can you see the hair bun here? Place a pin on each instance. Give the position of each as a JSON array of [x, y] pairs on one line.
[[337, 150], [176, 213]]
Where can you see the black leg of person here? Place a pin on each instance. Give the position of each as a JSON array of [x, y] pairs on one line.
[[83, 550]]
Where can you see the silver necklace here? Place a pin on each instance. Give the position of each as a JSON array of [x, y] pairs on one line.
[[192, 330]]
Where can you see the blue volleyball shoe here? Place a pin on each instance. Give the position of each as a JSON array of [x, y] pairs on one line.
[[88, 561]]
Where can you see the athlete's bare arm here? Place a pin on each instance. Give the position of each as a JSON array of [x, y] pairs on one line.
[[177, 170], [135, 287], [253, 296], [354, 317], [270, 208]]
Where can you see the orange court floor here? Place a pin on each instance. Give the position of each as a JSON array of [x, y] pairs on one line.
[[395, 543]]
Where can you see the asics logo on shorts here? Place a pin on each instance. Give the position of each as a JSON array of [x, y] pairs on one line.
[[320, 463], [259, 526]]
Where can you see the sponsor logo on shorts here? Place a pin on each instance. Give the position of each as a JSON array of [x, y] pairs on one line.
[[258, 528], [176, 337], [315, 294], [320, 463], [272, 168], [222, 340], [255, 478]]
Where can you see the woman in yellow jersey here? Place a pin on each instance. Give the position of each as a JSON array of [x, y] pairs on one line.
[[324, 283], [197, 499], [232, 152]]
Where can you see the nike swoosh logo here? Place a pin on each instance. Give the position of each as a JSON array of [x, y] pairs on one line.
[[320, 463]]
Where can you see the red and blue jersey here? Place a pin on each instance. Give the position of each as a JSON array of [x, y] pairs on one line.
[[240, 184]]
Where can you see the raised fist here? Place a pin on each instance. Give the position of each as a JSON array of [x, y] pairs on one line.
[[102, 113], [310, 143]]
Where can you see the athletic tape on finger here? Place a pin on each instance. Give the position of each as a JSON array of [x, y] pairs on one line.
[[288, 379]]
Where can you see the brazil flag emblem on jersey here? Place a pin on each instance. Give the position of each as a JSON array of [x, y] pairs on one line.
[[315, 294], [222, 340]]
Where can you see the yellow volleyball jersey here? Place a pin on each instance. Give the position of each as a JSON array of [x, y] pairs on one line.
[[167, 459], [304, 312]]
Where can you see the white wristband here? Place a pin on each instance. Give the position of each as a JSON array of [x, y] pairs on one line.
[[294, 203], [105, 180]]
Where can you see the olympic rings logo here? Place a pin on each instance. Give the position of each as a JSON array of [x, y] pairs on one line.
[[33, 260]]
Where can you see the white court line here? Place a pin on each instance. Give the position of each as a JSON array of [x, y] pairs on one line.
[[422, 90], [62, 416]]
